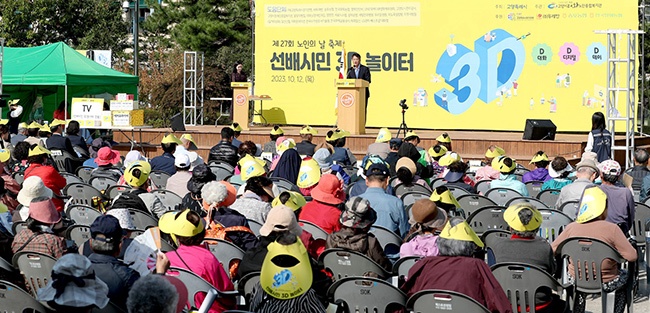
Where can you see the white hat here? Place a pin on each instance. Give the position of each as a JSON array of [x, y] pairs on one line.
[[33, 187], [132, 157], [181, 160], [124, 217]]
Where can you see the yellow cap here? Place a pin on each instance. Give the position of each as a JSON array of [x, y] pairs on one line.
[[4, 121], [342, 133], [137, 173], [38, 150], [277, 130], [461, 231], [289, 280], [498, 151], [449, 158], [286, 145], [444, 197], [236, 127], [295, 201], [34, 125], [22, 125], [538, 158], [251, 167], [410, 134], [309, 173], [170, 138], [384, 135], [45, 129], [187, 137], [511, 216], [501, 166], [5, 155], [57, 122], [176, 224], [308, 130], [592, 204], [433, 154], [444, 137], [3, 208]]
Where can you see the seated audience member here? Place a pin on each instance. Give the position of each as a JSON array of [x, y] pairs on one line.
[[540, 173], [325, 209], [107, 161], [295, 201], [306, 147], [177, 183], [72, 132], [95, 145], [57, 141], [341, 155], [250, 166], [275, 133], [507, 166], [20, 155], [454, 268], [286, 257], [11, 186], [288, 166], [436, 152], [426, 220], [591, 223], [412, 138], [640, 169], [456, 176], [308, 176], [33, 187], [392, 157], [193, 200], [446, 201], [406, 173], [223, 222], [20, 136], [236, 129], [586, 173], [620, 201], [559, 171], [74, 287], [255, 203], [50, 176], [137, 176], [360, 186], [32, 131], [165, 162], [126, 222], [281, 145], [39, 235], [390, 209], [324, 158], [106, 239], [410, 151], [381, 147], [187, 229], [157, 294], [487, 172], [356, 220], [445, 140]]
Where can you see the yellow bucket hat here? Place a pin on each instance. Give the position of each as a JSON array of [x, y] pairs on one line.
[[384, 135], [461, 231], [309, 173], [170, 138], [308, 130], [342, 133], [251, 167], [57, 122], [176, 224], [444, 197], [137, 173], [45, 129], [410, 134], [449, 158], [444, 137], [592, 204], [500, 166], [187, 137], [498, 151], [333, 136], [295, 201], [511, 216], [34, 125], [538, 158], [236, 127], [5, 155], [277, 130], [434, 154], [286, 144], [38, 150], [289, 280]]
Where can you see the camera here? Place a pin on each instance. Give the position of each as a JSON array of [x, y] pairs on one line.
[[403, 104]]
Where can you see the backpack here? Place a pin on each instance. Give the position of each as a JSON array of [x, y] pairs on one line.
[[129, 200]]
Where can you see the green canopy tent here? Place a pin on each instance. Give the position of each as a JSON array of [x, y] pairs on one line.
[[58, 73]]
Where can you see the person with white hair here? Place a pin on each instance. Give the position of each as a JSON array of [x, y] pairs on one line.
[[21, 135]]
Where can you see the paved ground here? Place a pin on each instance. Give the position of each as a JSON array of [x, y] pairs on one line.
[[641, 302]]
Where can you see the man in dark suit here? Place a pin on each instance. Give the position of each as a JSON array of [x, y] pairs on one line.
[[57, 141], [361, 72]]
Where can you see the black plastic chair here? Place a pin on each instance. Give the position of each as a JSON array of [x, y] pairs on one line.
[[159, 179], [553, 223], [254, 226], [443, 301], [71, 178], [388, 240], [471, 203], [85, 172], [82, 214], [36, 267], [489, 236], [102, 183], [570, 209], [78, 233], [19, 177], [226, 252], [17, 227], [142, 220], [246, 284], [345, 263], [221, 170], [315, 231], [487, 218], [365, 294], [501, 196], [534, 202], [549, 197], [437, 182], [168, 198], [534, 187], [14, 299], [402, 266], [113, 191], [194, 284], [411, 197], [457, 191], [402, 188], [82, 193], [284, 185], [482, 186]]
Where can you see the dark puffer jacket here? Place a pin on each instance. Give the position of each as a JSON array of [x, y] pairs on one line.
[[224, 152], [359, 241]]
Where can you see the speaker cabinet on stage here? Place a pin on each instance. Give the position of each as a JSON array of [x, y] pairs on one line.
[[539, 130], [177, 123]]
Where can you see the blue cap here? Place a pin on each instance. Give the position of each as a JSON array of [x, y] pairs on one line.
[[377, 169], [108, 226]]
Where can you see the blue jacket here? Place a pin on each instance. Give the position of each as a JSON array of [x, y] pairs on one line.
[[164, 163], [510, 181], [390, 210]]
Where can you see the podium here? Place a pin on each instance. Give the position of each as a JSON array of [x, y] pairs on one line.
[[352, 105], [240, 104]]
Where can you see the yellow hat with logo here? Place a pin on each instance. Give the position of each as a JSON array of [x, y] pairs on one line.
[[33, 125], [309, 173], [251, 166], [501, 165], [495, 152], [57, 122], [286, 272], [45, 129], [277, 130], [286, 144], [449, 158], [176, 224], [236, 127], [444, 195], [137, 173], [441, 152], [295, 201], [38, 150], [384, 135], [5, 155], [4, 121], [170, 138], [462, 232], [539, 158], [511, 216], [410, 135], [305, 130], [444, 137], [592, 204]]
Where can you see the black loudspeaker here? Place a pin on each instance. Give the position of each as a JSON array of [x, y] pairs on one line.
[[539, 130], [177, 123]]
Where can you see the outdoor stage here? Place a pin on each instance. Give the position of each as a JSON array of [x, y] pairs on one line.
[[470, 144]]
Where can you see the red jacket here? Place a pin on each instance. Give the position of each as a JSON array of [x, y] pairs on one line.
[[51, 178], [324, 215]]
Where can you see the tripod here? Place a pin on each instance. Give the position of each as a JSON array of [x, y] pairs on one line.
[[403, 125]]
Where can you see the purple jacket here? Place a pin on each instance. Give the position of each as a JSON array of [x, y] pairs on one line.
[[538, 174]]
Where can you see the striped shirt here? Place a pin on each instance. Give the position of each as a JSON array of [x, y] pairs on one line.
[[308, 302]]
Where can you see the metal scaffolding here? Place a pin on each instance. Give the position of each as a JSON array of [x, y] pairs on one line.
[[192, 88], [624, 57]]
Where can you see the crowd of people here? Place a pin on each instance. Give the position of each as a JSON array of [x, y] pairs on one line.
[[341, 195]]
